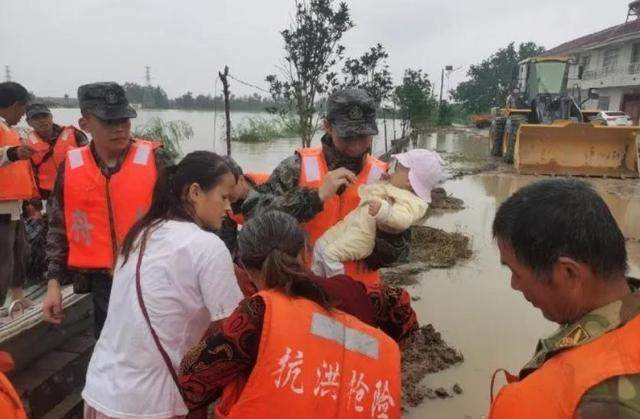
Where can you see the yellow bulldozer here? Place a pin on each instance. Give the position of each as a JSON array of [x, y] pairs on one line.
[[544, 131]]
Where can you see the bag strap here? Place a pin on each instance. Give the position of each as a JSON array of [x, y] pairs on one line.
[[164, 354], [509, 377]]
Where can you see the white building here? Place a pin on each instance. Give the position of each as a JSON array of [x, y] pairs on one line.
[[609, 60]]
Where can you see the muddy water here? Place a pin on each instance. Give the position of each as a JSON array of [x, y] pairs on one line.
[[472, 304]]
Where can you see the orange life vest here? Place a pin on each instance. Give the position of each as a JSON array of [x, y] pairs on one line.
[[10, 403], [46, 160], [314, 363], [16, 179], [313, 168], [555, 389], [258, 179], [99, 211]]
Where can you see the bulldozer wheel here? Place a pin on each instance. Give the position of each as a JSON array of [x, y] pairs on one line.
[[511, 131], [496, 132]]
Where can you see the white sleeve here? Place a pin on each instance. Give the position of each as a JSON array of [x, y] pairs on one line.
[[217, 280]]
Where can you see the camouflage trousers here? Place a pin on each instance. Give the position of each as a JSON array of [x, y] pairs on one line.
[[12, 255]]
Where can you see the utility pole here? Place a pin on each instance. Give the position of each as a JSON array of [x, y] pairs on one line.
[[384, 116], [7, 73], [146, 91], [395, 112], [447, 68], [225, 90]]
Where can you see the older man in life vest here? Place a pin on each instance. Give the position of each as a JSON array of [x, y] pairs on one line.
[[100, 192], [319, 186], [17, 184], [50, 143], [567, 257]]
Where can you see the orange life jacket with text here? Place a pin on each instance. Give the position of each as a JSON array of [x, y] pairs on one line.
[[16, 178], [47, 159], [555, 389], [314, 363], [258, 179], [10, 403], [313, 170], [99, 211]]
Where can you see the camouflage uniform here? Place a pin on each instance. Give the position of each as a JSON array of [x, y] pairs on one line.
[[106, 101], [617, 397], [351, 113], [282, 193]]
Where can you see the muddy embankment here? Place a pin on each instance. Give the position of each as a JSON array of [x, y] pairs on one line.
[[427, 353]]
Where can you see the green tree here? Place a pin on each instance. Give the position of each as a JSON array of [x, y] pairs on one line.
[[370, 72], [415, 99], [491, 80], [312, 49], [149, 96]]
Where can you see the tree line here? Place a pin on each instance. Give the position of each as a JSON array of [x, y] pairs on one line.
[[155, 97]]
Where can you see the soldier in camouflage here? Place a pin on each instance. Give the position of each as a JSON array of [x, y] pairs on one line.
[[350, 126], [567, 256], [106, 104]]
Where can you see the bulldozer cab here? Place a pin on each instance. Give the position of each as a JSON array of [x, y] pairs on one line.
[[543, 76]]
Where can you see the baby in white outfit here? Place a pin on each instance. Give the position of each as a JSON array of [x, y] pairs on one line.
[[393, 204]]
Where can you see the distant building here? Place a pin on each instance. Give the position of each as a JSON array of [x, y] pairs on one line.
[[609, 60]]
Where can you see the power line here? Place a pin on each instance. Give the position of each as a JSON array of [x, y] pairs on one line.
[[249, 84]]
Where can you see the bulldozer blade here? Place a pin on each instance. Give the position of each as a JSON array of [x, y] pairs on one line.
[[577, 149]]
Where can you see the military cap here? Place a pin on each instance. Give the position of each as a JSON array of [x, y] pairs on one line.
[[352, 113], [105, 100], [34, 109]]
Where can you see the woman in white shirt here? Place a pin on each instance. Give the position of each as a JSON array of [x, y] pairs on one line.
[[186, 281]]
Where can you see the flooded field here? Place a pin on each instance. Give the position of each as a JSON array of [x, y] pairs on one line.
[[208, 125], [471, 304]]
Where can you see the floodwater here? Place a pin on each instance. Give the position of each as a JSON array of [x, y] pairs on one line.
[[471, 304], [251, 156]]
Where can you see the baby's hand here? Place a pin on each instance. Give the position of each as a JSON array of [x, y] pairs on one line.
[[374, 207]]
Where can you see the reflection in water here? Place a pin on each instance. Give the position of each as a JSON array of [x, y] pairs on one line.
[[625, 208], [470, 143]]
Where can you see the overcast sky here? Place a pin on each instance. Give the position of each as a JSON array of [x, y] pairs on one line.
[[54, 46]]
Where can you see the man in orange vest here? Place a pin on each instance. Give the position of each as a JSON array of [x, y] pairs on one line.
[[16, 185], [319, 186], [50, 143], [567, 257], [100, 192]]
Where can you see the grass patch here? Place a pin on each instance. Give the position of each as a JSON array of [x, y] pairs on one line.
[[171, 134], [260, 129]]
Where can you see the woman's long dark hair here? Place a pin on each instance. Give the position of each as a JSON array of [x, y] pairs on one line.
[[271, 242], [169, 193]]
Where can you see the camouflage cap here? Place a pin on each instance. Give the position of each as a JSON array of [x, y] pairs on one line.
[[352, 113], [105, 100], [34, 109]]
